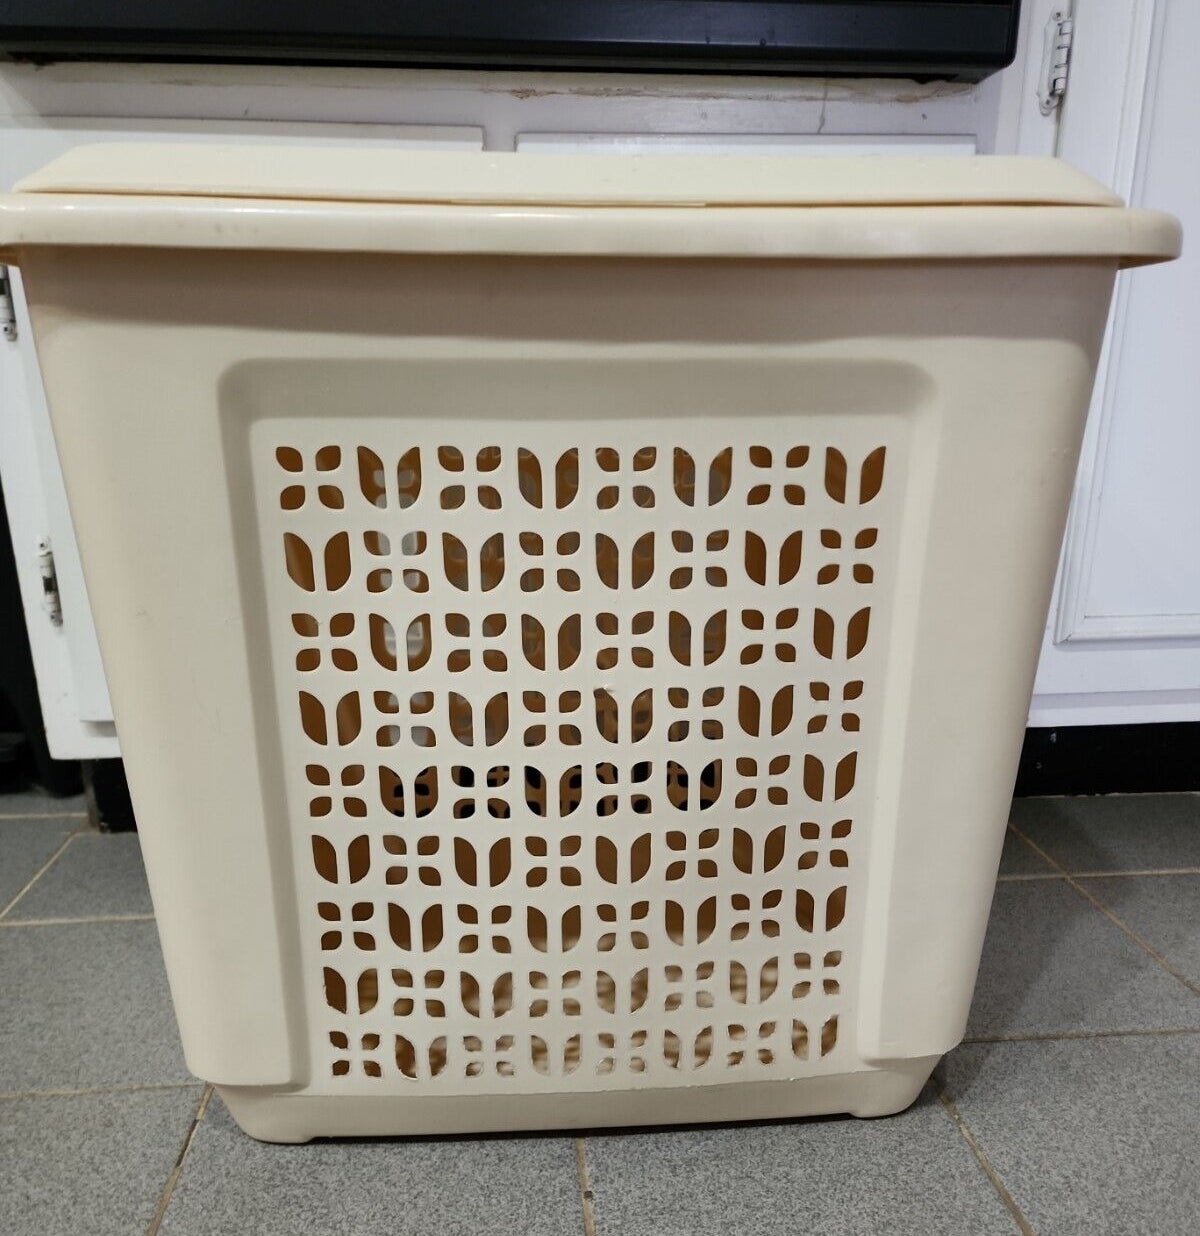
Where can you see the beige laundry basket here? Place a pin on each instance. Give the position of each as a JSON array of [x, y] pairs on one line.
[[570, 620]]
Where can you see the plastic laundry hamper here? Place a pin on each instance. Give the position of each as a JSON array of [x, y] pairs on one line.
[[570, 620]]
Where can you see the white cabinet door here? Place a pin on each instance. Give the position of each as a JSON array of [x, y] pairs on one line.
[[71, 683], [1123, 642]]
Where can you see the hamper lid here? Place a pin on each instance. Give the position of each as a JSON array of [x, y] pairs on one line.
[[865, 207], [340, 174]]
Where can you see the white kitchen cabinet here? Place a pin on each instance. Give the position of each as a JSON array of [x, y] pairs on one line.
[[1123, 563], [1123, 639]]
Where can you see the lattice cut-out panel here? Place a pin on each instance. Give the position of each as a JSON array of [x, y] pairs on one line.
[[579, 730]]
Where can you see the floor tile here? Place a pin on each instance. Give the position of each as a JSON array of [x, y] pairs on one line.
[[96, 875], [38, 802], [93, 1164], [1163, 910], [519, 1186], [1019, 858], [85, 1006], [25, 846], [1053, 964], [1093, 1137], [903, 1174], [1119, 832]]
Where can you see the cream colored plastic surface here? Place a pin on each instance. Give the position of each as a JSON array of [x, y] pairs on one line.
[[567, 693], [876, 207]]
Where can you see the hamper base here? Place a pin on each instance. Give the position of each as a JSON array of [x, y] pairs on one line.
[[274, 1116]]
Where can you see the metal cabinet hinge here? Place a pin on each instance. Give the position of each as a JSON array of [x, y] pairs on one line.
[[8, 311], [51, 602], [1056, 60]]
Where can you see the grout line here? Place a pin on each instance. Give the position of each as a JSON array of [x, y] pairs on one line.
[[164, 1201], [60, 922], [1098, 875], [1149, 871], [585, 1189], [74, 1094], [1145, 945], [1010, 1202], [42, 815], [41, 871], [1112, 918], [1071, 1035]]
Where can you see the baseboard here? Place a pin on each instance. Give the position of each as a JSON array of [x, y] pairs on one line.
[[1110, 759]]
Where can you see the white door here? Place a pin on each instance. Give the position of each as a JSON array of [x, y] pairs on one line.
[[1123, 641]]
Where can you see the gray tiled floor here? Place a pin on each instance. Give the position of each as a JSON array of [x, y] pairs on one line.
[[1080, 1093], [25, 847], [95, 876], [36, 803], [1052, 964], [910, 1173], [410, 1187], [1163, 910], [1091, 1137], [1126, 832], [93, 1164]]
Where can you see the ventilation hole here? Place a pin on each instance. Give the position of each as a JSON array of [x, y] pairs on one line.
[[749, 711], [406, 1056], [400, 928], [872, 475], [714, 638], [720, 476], [299, 562], [843, 780], [337, 561], [756, 558], [325, 859], [679, 637], [368, 990], [289, 459], [331, 496], [789, 557], [566, 478], [454, 562], [823, 633], [835, 908], [358, 859], [683, 476], [835, 474], [743, 851], [335, 990], [491, 562], [805, 910], [829, 1036], [348, 718], [529, 477], [799, 1040], [856, 633], [292, 498], [641, 716], [312, 718], [371, 478]]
